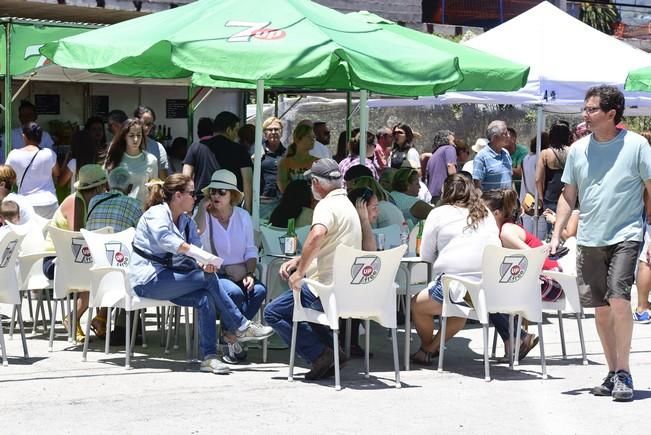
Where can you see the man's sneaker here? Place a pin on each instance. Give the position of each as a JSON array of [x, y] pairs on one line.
[[321, 366], [643, 318], [606, 387], [233, 353], [211, 364], [623, 388], [255, 331]]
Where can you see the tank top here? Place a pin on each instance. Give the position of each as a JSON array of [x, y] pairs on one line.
[[61, 222], [553, 183]]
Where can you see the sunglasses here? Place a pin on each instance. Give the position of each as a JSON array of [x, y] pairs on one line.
[[220, 192]]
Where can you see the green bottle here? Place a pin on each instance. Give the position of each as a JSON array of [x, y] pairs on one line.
[[291, 240], [419, 236]]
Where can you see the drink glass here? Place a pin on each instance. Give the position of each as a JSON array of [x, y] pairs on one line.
[[379, 240]]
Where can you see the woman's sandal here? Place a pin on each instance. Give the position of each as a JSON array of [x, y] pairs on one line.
[[98, 326], [427, 358]]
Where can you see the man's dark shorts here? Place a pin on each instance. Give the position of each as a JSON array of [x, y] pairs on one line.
[[605, 272]]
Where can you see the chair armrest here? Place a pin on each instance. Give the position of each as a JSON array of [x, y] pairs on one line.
[[570, 290], [477, 296], [35, 256]]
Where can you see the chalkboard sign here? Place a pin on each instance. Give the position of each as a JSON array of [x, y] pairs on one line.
[[47, 104], [176, 108], [99, 105]]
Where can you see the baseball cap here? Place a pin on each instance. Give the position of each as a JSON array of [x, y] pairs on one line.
[[324, 168]]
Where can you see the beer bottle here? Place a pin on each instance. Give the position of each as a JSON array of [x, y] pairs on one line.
[[419, 236], [291, 240]]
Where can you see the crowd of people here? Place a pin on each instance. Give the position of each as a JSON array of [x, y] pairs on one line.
[[194, 242]]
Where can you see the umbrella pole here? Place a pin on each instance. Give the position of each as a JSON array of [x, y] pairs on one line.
[[257, 160], [349, 110], [7, 86], [363, 124], [540, 119]]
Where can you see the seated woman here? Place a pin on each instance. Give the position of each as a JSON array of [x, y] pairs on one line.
[[454, 237], [229, 234], [505, 207], [71, 215], [406, 185], [168, 264], [388, 213], [298, 158], [296, 203]]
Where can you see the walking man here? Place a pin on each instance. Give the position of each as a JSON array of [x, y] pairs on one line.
[[608, 171]]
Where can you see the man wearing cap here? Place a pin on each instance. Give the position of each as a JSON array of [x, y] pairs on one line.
[[492, 165], [335, 222]]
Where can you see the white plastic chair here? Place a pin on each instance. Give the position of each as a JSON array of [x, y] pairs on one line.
[[72, 271], [362, 288], [9, 292], [110, 285], [30, 263], [570, 302], [510, 285]]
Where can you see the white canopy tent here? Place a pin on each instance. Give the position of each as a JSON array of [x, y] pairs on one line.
[[566, 57]]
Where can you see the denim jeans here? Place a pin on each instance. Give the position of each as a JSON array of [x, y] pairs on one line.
[[248, 302], [311, 338], [501, 323], [201, 291]]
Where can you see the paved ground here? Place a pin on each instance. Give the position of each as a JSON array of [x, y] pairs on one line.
[[57, 393]]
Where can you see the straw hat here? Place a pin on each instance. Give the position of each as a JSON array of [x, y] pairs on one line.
[[223, 179], [90, 176], [480, 144]]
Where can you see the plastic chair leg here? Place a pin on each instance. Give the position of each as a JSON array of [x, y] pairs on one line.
[[562, 332], [487, 367], [73, 322], [511, 341], [163, 324], [407, 329], [516, 343], [188, 338], [581, 339], [3, 347], [543, 363], [335, 340], [21, 325], [195, 342], [170, 317], [444, 325], [367, 340], [349, 334], [396, 363], [14, 312], [127, 343], [29, 302], [87, 338], [107, 341], [177, 321], [494, 350], [292, 352], [53, 320], [143, 328]]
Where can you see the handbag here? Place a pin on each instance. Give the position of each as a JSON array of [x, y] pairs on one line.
[[528, 205]]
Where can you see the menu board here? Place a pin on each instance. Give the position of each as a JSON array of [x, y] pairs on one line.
[[176, 108], [47, 104]]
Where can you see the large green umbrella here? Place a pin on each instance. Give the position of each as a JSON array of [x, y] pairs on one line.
[[639, 80], [286, 43], [481, 71]]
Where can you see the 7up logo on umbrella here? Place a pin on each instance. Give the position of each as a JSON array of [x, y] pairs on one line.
[[259, 30], [365, 269]]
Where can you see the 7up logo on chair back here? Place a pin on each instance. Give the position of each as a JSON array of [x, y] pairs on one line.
[[116, 254], [6, 255], [513, 268], [365, 269], [80, 251]]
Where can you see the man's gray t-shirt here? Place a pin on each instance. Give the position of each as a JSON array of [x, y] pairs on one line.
[[610, 180]]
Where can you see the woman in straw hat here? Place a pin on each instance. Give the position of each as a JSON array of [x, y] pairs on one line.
[[71, 215], [228, 233]]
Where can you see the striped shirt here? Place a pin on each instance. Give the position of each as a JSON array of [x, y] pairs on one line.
[[492, 170], [113, 209]]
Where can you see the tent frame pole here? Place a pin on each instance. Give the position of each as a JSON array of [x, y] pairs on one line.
[[540, 121], [257, 160], [7, 90], [363, 124]]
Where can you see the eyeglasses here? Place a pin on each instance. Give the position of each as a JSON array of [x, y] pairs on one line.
[[191, 193], [220, 192], [591, 110]]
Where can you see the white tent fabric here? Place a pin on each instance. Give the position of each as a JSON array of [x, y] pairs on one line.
[[566, 57]]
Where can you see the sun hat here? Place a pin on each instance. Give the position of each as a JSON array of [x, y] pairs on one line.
[[223, 179], [324, 168], [480, 144], [90, 176]]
